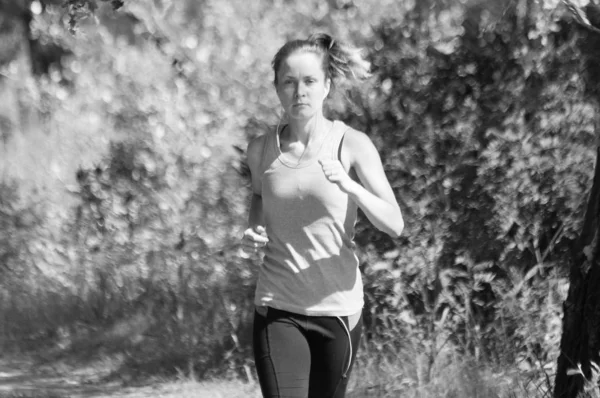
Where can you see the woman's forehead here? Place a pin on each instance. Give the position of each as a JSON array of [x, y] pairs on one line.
[[302, 62]]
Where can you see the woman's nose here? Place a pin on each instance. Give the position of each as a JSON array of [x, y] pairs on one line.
[[299, 92]]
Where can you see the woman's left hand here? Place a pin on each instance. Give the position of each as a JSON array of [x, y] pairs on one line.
[[334, 171]]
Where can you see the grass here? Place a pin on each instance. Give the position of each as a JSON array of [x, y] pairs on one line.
[[462, 378], [385, 380], [185, 389], [98, 363], [372, 378], [109, 345], [214, 389]]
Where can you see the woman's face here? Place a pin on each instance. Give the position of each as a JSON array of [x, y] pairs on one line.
[[301, 85]]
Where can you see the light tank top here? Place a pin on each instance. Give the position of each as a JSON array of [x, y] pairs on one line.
[[309, 266]]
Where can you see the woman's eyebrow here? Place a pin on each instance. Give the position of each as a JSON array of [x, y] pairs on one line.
[[293, 77]]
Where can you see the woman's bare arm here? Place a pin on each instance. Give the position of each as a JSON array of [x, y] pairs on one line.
[[375, 196]]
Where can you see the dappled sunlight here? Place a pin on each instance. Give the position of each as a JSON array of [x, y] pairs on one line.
[[124, 189]]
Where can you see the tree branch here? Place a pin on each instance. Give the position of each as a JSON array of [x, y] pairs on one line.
[[580, 16]]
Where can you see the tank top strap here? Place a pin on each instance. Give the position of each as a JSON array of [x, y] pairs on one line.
[[337, 135], [269, 151]]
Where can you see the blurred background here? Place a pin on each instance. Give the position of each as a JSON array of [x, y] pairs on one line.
[[123, 189]]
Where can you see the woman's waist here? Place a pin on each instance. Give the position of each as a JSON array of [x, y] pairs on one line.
[[333, 297]]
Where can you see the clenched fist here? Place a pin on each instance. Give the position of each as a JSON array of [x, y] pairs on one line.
[[255, 238], [335, 173]]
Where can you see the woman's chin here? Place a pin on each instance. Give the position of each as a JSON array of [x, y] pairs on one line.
[[301, 113]]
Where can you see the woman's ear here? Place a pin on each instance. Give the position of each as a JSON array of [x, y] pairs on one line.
[[327, 88]]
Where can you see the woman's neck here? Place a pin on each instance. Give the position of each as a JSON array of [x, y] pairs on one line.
[[303, 130]]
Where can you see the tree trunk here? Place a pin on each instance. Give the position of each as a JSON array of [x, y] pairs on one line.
[[580, 342]]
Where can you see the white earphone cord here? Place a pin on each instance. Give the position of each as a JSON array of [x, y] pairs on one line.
[[349, 346]]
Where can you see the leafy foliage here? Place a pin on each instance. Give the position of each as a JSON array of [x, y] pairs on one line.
[[78, 9], [484, 114]]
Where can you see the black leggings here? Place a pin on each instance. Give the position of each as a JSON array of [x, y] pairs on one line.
[[299, 356]]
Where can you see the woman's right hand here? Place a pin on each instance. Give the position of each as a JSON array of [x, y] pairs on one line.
[[255, 238]]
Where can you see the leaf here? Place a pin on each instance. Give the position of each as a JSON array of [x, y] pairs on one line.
[[443, 318], [392, 254], [573, 371], [407, 317], [380, 266], [531, 273]]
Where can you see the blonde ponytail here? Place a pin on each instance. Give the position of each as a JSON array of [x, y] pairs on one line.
[[344, 61]]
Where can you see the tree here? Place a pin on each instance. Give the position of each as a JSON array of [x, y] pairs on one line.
[[580, 341]]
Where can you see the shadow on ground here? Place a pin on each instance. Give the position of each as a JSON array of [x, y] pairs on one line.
[[87, 365], [23, 379]]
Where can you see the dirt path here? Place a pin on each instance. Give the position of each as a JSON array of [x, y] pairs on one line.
[[21, 378], [26, 378]]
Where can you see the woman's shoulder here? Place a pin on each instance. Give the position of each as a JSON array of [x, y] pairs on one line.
[[256, 147], [353, 138], [257, 143], [358, 146]]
